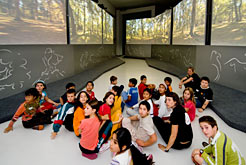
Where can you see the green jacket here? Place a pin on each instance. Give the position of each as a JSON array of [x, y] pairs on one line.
[[222, 151]]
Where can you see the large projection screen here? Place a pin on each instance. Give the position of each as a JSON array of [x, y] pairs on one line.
[[149, 30], [108, 28], [85, 22], [189, 22], [32, 22], [229, 22]]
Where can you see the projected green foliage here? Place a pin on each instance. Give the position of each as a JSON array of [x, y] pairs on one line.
[[32, 21], [108, 33], [85, 22], [150, 30], [189, 22], [229, 22]]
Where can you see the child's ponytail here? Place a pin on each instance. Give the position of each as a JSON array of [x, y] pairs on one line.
[[124, 139]]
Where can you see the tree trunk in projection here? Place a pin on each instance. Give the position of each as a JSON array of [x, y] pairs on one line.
[[236, 13], [239, 10], [17, 9], [84, 18], [10, 7], [63, 8], [72, 22], [142, 27], [193, 17]]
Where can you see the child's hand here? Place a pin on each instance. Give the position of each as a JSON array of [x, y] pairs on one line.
[[9, 128], [180, 86], [167, 121], [120, 117], [200, 110], [56, 104], [140, 142], [53, 135]]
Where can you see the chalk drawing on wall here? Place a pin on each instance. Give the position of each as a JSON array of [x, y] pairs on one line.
[[182, 57], [85, 59], [235, 63], [51, 61], [6, 69], [215, 62], [8, 64]]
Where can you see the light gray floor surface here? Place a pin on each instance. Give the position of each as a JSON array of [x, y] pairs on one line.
[[28, 147]]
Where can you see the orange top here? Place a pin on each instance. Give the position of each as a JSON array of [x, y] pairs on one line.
[[79, 115]]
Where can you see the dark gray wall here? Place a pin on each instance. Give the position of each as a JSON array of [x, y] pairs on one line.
[[22, 65], [182, 56], [138, 51], [225, 65]]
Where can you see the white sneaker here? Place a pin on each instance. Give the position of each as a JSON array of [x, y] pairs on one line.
[[104, 147]]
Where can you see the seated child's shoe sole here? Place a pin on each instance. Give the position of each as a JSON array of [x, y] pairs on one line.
[[38, 127], [90, 156]]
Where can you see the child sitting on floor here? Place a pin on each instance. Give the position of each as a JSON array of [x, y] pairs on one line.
[[63, 98], [89, 129], [143, 134], [168, 82], [204, 94], [222, 149], [134, 110], [189, 103], [82, 99], [116, 112], [163, 111], [105, 116], [132, 93], [113, 82], [29, 111], [142, 86], [89, 87], [125, 152], [66, 109]]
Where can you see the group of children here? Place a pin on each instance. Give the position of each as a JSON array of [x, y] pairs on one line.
[[128, 122]]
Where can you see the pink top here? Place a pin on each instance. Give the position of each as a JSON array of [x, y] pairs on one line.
[[89, 133], [105, 110], [192, 109]]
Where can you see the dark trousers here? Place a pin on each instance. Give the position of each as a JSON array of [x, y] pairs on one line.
[[68, 122], [165, 130], [104, 133], [39, 119], [87, 151]]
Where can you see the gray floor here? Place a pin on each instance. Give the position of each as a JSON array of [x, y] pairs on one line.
[[26, 146]]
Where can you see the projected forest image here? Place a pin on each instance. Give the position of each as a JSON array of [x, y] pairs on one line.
[[229, 22], [189, 22], [86, 23], [150, 30], [108, 32], [32, 22]]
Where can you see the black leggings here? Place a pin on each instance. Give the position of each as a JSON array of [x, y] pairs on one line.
[[165, 130], [39, 119], [87, 151]]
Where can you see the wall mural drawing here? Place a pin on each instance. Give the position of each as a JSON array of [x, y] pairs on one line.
[[234, 63], [215, 60], [183, 58], [85, 58], [9, 63], [51, 60]]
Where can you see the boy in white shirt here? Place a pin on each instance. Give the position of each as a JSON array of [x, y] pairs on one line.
[[143, 134]]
